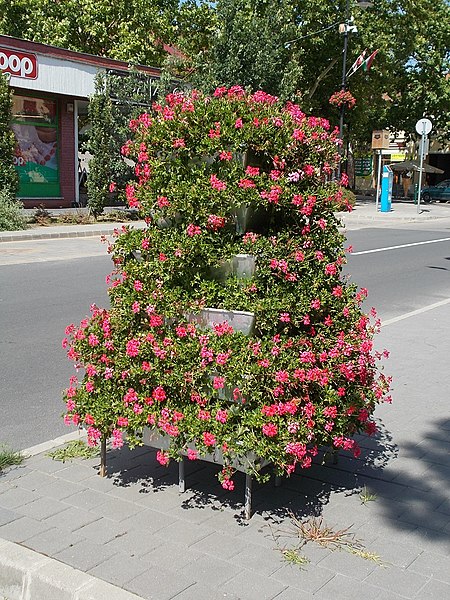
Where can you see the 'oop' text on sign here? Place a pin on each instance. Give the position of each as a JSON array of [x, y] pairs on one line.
[[18, 64]]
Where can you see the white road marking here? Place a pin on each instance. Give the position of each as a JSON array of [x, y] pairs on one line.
[[413, 313], [400, 246]]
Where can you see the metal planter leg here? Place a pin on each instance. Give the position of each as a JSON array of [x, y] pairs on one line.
[[181, 480], [248, 497]]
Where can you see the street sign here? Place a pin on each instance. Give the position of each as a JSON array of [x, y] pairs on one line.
[[424, 126], [424, 147], [363, 166]]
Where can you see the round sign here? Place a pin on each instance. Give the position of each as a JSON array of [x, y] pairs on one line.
[[424, 126]]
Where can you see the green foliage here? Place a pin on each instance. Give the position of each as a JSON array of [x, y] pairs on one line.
[[130, 30], [9, 457], [219, 178], [248, 48], [343, 199], [365, 496], [8, 175], [11, 217], [74, 449], [244, 42], [408, 78], [117, 99]]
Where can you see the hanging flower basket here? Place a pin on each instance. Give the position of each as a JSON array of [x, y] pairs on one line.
[[343, 98]]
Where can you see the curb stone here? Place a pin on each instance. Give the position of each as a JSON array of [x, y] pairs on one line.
[[28, 575], [79, 434]]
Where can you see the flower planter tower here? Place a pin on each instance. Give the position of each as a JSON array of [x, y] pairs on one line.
[[230, 331]]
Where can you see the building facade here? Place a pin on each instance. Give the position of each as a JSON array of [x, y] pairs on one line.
[[51, 89]]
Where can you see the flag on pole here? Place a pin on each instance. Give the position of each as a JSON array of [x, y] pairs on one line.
[[358, 62], [368, 62]]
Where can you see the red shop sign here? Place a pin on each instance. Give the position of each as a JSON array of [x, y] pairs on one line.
[[19, 64]]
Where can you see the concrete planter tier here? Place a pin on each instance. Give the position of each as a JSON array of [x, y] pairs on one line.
[[248, 463], [239, 320], [241, 266]]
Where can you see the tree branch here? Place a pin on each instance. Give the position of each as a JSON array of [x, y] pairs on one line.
[[321, 77]]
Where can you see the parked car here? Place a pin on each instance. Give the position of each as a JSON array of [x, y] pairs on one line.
[[439, 192]]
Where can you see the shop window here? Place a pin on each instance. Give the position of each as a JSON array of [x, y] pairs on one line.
[[35, 125]]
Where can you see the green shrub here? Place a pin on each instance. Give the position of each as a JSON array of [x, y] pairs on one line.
[[8, 175], [11, 217]]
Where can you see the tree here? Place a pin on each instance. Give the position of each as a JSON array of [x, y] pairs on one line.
[[117, 99], [130, 30], [8, 175], [409, 78]]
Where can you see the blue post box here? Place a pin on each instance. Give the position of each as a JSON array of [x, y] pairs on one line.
[[386, 189]]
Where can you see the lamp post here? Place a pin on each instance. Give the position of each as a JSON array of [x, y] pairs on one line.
[[346, 28]]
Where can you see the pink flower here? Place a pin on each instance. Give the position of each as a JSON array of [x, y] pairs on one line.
[[209, 439], [285, 318], [228, 484], [162, 201], [252, 171], [217, 184], [330, 412], [238, 124], [93, 340], [162, 457], [93, 436], [214, 133], [225, 155], [220, 91], [218, 383], [315, 304], [89, 419], [192, 230], [112, 186], [246, 183], [192, 454], [282, 376], [221, 416], [179, 143], [159, 394], [215, 222], [117, 441], [132, 348], [89, 386], [122, 422], [270, 429], [138, 286], [222, 358]]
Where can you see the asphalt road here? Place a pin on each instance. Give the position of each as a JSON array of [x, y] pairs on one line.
[[403, 269], [37, 301], [43, 287]]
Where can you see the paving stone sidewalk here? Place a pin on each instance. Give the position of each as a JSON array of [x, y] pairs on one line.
[[134, 530]]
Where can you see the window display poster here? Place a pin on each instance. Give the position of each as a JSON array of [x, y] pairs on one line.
[[36, 133]]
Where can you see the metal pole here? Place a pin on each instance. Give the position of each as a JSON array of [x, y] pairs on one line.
[[377, 198], [76, 147], [248, 497], [422, 152], [103, 456], [181, 480], [343, 85]]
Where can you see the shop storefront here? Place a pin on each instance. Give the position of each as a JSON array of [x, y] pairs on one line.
[[51, 87]]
